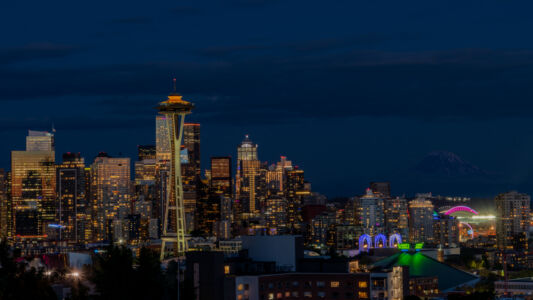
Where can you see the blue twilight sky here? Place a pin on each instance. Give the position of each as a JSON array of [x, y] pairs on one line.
[[352, 91]]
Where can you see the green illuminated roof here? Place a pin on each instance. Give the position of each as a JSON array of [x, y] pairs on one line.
[[423, 266]]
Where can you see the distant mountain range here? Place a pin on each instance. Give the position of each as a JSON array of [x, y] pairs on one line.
[[447, 164]]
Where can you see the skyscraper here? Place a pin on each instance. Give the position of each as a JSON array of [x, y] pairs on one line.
[[40, 141], [162, 168], [247, 150], [5, 206], [420, 220], [191, 142], [295, 191], [190, 171], [221, 175], [445, 231], [162, 142], [512, 218], [247, 178], [110, 189], [146, 152], [33, 186], [370, 212], [396, 218], [175, 109], [73, 199], [276, 176]]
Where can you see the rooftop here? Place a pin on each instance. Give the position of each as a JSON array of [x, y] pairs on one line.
[[423, 266]]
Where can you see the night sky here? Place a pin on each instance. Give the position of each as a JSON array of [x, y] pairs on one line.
[[351, 91]]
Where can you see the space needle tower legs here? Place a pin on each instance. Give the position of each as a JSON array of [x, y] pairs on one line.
[[175, 109]]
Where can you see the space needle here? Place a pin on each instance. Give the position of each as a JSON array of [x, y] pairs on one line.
[[175, 109]]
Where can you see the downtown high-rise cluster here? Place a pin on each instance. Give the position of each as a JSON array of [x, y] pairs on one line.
[[209, 214]]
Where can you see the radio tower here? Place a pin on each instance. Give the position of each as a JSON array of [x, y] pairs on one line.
[[175, 109]]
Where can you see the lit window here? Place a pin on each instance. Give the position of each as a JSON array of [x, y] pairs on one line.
[[226, 269], [271, 296], [334, 284], [287, 294], [239, 297], [363, 284], [321, 294], [279, 295], [240, 287], [295, 294], [320, 284], [363, 295], [308, 295]]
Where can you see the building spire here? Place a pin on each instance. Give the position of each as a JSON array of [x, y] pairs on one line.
[[174, 85]]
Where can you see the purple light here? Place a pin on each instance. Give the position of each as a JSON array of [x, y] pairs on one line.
[[460, 208]]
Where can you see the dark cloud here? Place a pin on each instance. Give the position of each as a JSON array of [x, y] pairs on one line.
[[74, 123], [255, 3], [459, 83], [133, 20], [305, 47], [37, 51], [183, 11]]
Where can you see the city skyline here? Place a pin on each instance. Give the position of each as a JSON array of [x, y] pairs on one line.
[[266, 149], [381, 87]]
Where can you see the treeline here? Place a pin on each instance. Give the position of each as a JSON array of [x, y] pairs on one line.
[[114, 274]]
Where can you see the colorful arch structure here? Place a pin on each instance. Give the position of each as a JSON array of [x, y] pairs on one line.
[[460, 208], [366, 242], [380, 238], [394, 240], [362, 239]]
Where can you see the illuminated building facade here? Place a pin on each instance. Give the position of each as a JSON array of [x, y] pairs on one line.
[[162, 171], [6, 218], [248, 178], [322, 229], [295, 191], [40, 141], [445, 231], [208, 210], [33, 188], [190, 171], [370, 214], [512, 218], [275, 214], [73, 200], [276, 176], [145, 171], [396, 218], [146, 152], [110, 194], [162, 143], [174, 109], [221, 175], [420, 220]]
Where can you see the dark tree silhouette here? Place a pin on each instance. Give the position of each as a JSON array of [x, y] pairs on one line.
[[17, 281]]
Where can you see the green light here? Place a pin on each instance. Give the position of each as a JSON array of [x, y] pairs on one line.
[[404, 246], [419, 246]]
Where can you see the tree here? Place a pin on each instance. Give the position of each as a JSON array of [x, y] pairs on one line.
[[149, 276], [17, 281], [113, 274]]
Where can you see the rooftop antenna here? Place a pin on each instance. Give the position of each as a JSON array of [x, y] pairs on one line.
[[174, 84]]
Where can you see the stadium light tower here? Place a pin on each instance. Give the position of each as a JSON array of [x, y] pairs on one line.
[[175, 109]]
